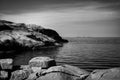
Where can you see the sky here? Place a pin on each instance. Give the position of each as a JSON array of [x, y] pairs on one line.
[[70, 18]]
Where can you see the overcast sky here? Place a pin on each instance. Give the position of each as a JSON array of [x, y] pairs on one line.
[[70, 18]]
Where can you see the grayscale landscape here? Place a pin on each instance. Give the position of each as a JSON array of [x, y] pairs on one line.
[[59, 39]]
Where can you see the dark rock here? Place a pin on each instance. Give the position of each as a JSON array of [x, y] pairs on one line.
[[53, 34], [107, 74], [43, 62], [6, 63]]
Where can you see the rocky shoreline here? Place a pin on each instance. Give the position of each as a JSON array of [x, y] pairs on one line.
[[21, 36], [45, 68]]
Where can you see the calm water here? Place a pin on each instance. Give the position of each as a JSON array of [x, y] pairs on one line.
[[87, 53]]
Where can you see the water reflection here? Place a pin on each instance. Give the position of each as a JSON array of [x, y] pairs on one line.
[[83, 55], [24, 57]]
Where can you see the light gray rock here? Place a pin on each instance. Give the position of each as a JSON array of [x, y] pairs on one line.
[[36, 69], [43, 62], [65, 72], [3, 75], [77, 71], [20, 74], [36, 73], [25, 67], [6, 63], [32, 76], [107, 74]]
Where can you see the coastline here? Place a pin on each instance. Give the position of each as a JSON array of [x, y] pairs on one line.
[[43, 68]]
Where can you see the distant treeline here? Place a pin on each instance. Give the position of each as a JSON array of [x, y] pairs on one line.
[[96, 40]]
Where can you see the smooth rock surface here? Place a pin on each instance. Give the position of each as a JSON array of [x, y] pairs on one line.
[[6, 63], [107, 74], [43, 62], [63, 73]]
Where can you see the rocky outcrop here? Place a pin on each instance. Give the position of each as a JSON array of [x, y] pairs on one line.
[[106, 74], [20, 36], [55, 72], [53, 34]]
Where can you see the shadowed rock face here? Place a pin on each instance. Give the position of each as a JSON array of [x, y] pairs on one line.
[[20, 36], [53, 34]]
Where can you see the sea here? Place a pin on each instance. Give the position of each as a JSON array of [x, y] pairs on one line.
[[87, 53]]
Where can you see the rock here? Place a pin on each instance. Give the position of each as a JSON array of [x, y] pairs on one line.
[[107, 74], [65, 72], [20, 36], [3, 75], [6, 63], [36, 72], [20, 74], [32, 76], [36, 69], [43, 62], [25, 67], [53, 34]]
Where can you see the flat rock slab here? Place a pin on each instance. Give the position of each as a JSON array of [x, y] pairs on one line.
[[107, 74], [65, 72], [6, 63], [43, 62]]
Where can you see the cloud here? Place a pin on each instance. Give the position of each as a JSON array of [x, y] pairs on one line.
[[68, 17], [26, 6]]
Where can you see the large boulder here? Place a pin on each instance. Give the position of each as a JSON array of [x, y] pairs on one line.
[[6, 63], [43, 62], [65, 72], [106, 74]]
